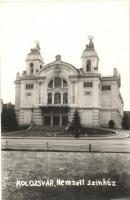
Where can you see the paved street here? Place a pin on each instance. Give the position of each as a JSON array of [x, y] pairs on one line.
[[102, 144]]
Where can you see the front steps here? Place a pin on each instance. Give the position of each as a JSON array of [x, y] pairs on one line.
[[47, 128]]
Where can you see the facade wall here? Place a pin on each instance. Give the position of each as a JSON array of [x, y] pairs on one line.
[[88, 100], [17, 95], [90, 117], [25, 116], [37, 116], [105, 117], [87, 96], [95, 105]]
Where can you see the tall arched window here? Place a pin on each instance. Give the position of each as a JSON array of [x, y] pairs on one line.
[[88, 65], [31, 68], [65, 98], [57, 98], [57, 86], [57, 82], [50, 85], [49, 98]]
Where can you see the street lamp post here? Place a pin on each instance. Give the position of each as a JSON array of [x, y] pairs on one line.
[[32, 114]]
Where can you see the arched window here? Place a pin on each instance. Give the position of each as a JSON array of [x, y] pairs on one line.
[[49, 98], [57, 98], [88, 65], [50, 85], [65, 98], [31, 68], [65, 83], [57, 82]]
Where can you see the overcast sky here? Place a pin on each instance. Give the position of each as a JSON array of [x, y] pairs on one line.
[[63, 27]]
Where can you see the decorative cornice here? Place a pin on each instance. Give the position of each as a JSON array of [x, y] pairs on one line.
[[29, 78], [109, 78]]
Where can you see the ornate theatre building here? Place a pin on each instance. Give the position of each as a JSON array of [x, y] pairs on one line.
[[49, 94]]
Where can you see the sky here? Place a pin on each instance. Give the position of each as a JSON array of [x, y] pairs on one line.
[[63, 27]]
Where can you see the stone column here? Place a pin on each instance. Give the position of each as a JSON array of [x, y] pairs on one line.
[[61, 98], [39, 92], [53, 97], [73, 92]]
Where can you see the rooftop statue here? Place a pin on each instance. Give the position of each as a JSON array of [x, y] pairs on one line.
[[37, 45], [90, 46]]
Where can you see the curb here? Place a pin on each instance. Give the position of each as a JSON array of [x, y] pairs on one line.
[[76, 151], [68, 138]]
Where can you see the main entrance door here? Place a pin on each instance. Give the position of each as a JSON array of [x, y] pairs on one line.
[[47, 120], [52, 118], [56, 120]]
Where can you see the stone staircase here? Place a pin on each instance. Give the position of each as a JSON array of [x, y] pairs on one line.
[[47, 128]]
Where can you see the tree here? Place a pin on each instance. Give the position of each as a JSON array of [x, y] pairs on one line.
[[76, 124], [8, 117], [125, 121]]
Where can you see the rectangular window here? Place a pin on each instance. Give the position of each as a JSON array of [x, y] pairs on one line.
[[88, 84], [49, 98], [29, 86], [28, 94], [106, 87]]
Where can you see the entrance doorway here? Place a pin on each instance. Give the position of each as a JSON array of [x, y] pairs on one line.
[[47, 120], [56, 120], [64, 120]]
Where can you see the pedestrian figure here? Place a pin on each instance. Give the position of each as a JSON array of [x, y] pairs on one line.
[[90, 147]]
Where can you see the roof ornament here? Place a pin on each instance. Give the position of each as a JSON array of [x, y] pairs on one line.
[[90, 46], [58, 57], [37, 45], [90, 37]]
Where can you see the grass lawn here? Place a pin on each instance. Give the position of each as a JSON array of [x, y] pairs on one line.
[[67, 166]]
